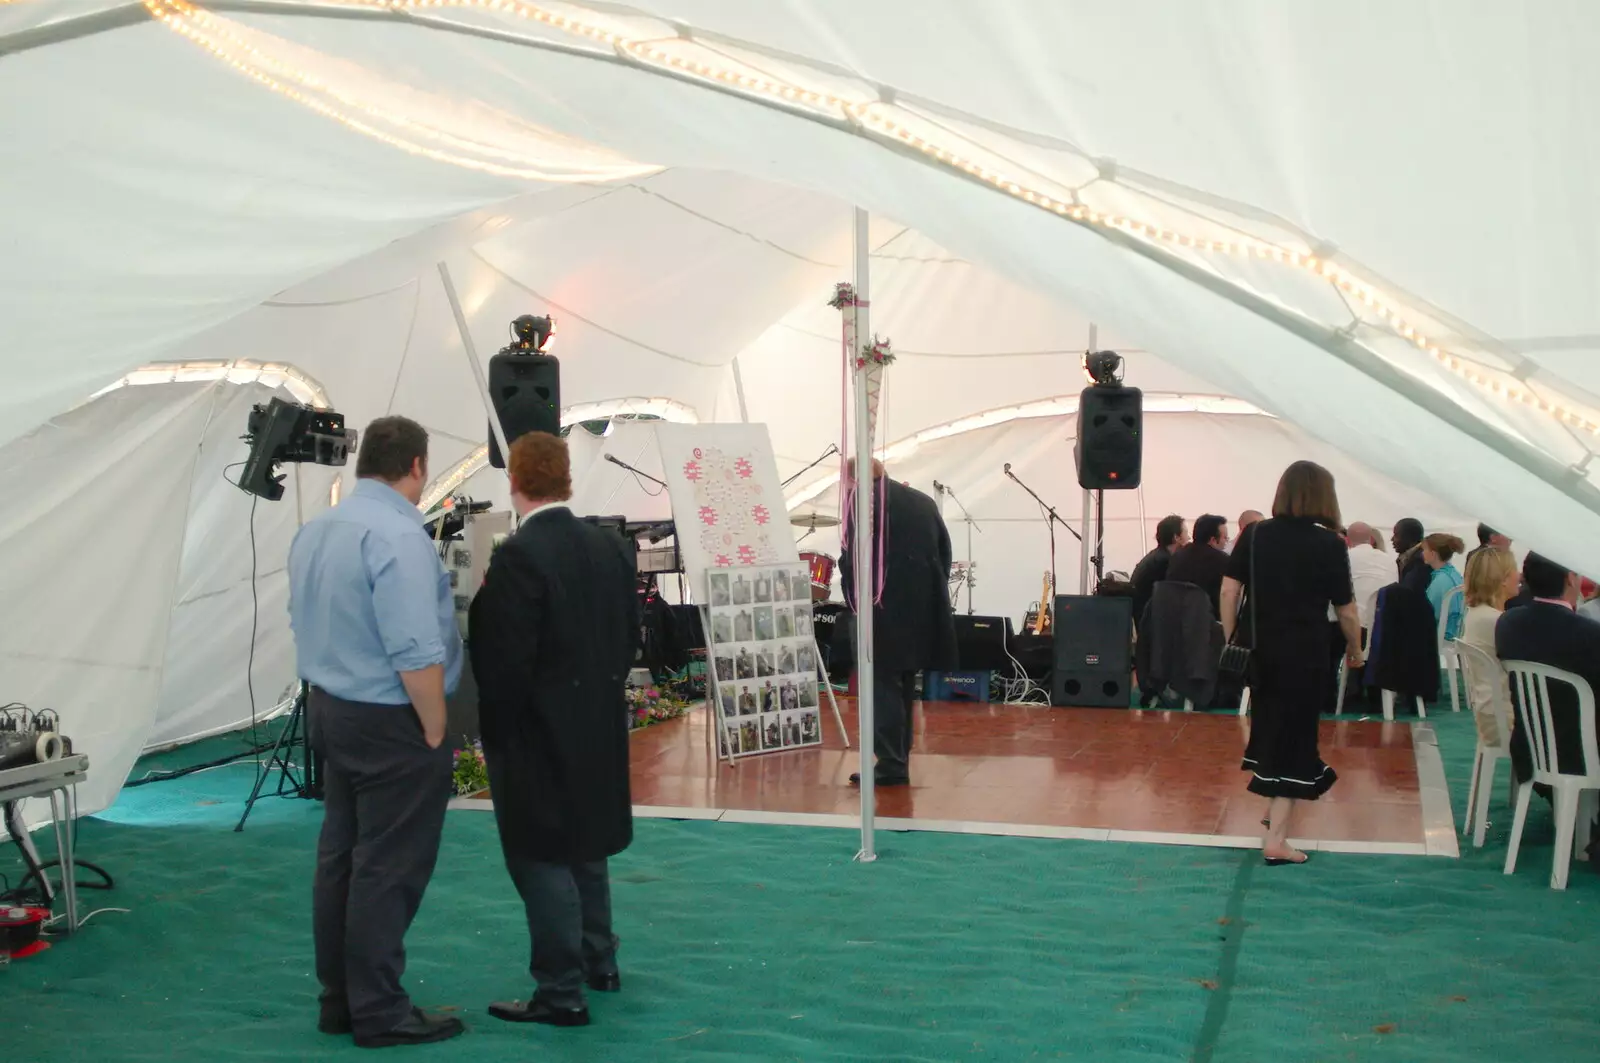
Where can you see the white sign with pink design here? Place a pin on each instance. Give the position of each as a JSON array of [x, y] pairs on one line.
[[727, 500]]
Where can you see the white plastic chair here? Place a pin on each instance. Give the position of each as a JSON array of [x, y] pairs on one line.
[[1449, 660], [1530, 695], [1366, 646], [1479, 664]]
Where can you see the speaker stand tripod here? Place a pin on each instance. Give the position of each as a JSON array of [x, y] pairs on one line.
[[292, 781]]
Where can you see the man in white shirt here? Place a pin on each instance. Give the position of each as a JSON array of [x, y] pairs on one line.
[[1370, 568]]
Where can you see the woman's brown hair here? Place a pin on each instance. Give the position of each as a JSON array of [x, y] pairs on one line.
[[1306, 490], [1487, 570], [1446, 546]]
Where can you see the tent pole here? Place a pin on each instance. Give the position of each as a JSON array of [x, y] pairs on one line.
[[472, 360], [862, 547], [1083, 540], [738, 389]]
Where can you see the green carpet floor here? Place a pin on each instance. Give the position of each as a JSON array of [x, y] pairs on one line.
[[768, 943]]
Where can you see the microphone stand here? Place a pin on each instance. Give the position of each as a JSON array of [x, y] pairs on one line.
[[967, 518], [1052, 518], [833, 448], [613, 459]]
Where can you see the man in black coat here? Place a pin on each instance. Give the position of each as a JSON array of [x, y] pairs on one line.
[[1205, 561], [912, 624], [552, 634], [1414, 573], [1549, 631], [1171, 536]]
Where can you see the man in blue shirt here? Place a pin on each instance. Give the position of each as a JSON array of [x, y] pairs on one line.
[[375, 636]]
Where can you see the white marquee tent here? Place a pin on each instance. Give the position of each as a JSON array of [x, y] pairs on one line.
[[1360, 234]]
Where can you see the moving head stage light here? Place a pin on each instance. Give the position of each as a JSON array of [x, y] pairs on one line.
[[284, 431]]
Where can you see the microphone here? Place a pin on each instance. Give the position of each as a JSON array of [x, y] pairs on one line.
[[1008, 468], [937, 486], [613, 459]]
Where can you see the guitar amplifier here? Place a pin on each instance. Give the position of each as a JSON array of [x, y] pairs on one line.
[[1093, 652]]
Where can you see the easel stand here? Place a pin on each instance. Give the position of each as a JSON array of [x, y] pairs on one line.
[[714, 695], [291, 781]]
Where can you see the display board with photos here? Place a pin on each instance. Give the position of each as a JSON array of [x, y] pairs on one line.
[[764, 659]]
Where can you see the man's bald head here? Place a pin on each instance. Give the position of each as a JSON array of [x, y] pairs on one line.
[[1247, 518], [1362, 534]]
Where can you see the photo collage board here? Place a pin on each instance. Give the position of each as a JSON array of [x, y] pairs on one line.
[[764, 659]]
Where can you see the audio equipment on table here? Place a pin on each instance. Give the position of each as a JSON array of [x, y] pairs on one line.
[[655, 559], [29, 737], [1093, 659], [1041, 621]]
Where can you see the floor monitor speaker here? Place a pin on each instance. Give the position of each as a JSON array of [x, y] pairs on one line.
[[1093, 652]]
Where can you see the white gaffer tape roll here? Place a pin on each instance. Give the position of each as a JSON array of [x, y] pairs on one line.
[[49, 746]]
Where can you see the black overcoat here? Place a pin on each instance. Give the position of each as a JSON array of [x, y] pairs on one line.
[[552, 634], [912, 625]]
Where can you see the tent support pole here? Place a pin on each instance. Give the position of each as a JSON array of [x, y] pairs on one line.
[[738, 389], [472, 360], [862, 547]]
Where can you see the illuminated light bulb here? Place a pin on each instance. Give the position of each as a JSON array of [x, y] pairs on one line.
[[1094, 217]]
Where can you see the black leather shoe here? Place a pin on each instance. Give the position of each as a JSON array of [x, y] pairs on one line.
[[536, 1010], [419, 1029], [902, 780], [606, 983]]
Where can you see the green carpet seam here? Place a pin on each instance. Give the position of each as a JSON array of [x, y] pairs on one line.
[[1228, 963]]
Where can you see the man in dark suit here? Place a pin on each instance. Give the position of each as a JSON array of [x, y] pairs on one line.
[[1171, 536], [1412, 570], [1205, 561], [1549, 631], [552, 636], [912, 624]]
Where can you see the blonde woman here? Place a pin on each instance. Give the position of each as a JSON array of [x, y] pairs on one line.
[[1492, 580]]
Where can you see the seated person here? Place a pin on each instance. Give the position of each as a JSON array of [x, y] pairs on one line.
[[1437, 550], [1549, 631], [1205, 560], [1492, 578]]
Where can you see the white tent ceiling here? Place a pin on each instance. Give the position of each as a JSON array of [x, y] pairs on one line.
[[1373, 222]]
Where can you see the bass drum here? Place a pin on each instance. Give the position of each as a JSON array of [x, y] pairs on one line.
[[821, 566]]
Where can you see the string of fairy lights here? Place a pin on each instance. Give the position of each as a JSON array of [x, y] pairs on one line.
[[875, 115]]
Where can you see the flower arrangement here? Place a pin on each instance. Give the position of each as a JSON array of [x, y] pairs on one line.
[[650, 705], [844, 294], [876, 354], [471, 775]]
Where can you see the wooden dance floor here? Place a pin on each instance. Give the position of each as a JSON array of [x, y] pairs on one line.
[[1118, 775]]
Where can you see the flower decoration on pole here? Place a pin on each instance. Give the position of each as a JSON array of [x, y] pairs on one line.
[[872, 359], [844, 294]]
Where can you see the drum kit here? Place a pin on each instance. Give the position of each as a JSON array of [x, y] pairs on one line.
[[820, 564]]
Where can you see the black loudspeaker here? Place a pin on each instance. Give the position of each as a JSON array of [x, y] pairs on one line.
[[1093, 652], [981, 642], [1110, 445], [525, 388]]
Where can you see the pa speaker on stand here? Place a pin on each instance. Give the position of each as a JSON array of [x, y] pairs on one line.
[[1110, 444], [525, 385]]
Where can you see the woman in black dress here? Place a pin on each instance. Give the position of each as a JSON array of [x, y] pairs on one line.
[[1293, 566]]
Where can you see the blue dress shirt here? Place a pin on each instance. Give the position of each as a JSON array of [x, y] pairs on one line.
[[369, 599]]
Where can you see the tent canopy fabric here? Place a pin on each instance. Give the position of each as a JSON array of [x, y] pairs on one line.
[[1370, 223]]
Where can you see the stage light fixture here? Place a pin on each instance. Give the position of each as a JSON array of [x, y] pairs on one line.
[[1103, 368], [530, 333], [284, 431]]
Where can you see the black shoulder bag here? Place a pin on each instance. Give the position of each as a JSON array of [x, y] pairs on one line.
[[1235, 659]]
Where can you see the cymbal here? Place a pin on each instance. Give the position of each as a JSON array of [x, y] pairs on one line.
[[813, 520]]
